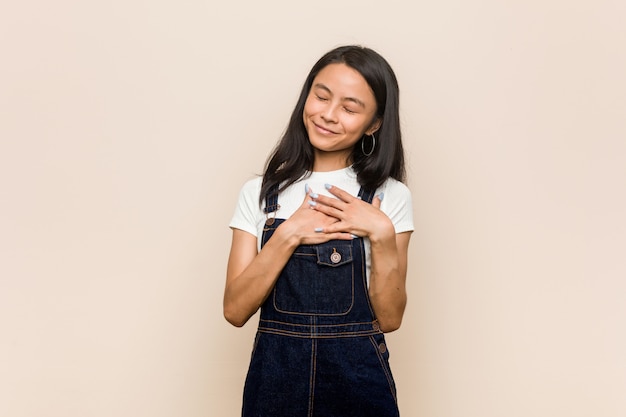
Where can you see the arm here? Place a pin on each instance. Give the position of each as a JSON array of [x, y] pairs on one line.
[[387, 287], [250, 276]]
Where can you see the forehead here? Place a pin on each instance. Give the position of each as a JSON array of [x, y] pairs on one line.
[[345, 81]]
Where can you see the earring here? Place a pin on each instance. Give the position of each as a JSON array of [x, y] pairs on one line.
[[373, 146]]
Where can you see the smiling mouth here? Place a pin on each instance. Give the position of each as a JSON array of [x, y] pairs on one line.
[[323, 129]]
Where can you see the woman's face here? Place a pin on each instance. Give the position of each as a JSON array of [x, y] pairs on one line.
[[339, 109]]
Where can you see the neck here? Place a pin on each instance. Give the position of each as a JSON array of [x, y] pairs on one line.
[[330, 161]]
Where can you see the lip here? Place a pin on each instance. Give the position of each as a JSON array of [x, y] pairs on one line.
[[324, 130]]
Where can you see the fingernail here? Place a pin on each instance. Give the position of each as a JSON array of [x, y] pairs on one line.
[[312, 203], [381, 196], [318, 230], [354, 236], [313, 195], [307, 188], [328, 186]]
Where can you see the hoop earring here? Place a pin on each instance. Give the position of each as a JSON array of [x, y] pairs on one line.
[[373, 146]]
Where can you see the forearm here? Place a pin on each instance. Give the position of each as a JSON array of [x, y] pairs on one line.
[[247, 290], [387, 287]]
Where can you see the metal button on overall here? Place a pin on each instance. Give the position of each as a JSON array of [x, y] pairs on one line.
[[335, 257]]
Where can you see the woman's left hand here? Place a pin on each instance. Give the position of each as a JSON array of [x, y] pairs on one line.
[[387, 289], [355, 216]]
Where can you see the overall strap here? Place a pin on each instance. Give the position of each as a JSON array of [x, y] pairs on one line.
[[366, 195], [271, 200], [271, 205]]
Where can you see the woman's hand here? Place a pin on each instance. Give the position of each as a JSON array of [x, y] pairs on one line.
[[353, 215], [306, 224]]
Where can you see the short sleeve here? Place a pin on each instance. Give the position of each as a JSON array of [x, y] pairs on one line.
[[247, 211], [397, 204]]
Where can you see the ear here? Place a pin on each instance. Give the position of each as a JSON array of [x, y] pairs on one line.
[[374, 126]]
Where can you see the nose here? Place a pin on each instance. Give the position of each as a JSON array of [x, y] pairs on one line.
[[329, 113]]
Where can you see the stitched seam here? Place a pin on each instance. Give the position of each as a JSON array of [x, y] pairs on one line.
[[312, 376], [384, 367], [318, 335], [357, 323]]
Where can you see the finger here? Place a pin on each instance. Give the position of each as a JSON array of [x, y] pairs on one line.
[[326, 201], [327, 209], [340, 236], [337, 227], [322, 236], [339, 193], [307, 195]]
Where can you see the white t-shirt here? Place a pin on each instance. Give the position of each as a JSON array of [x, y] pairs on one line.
[[249, 216]]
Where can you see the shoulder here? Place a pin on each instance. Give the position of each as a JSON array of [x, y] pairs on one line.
[[247, 213], [396, 189], [250, 190], [252, 185], [249, 196]]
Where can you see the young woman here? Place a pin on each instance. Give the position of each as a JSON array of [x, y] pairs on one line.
[[320, 245]]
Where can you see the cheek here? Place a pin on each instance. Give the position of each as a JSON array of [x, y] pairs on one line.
[[306, 113], [309, 108], [355, 126]]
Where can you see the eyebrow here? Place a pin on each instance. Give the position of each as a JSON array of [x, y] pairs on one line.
[[352, 99]]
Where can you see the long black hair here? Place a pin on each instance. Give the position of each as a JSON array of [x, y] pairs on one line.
[[293, 156]]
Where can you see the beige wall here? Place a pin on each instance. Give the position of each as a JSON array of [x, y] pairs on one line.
[[127, 128]]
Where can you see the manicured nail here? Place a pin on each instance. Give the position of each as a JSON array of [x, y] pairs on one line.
[[328, 186], [381, 196], [312, 203], [307, 188], [313, 195], [319, 230]]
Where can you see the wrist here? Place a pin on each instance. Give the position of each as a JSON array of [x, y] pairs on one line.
[[383, 234], [287, 236]]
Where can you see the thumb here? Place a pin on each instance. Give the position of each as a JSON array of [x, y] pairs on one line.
[[377, 200]]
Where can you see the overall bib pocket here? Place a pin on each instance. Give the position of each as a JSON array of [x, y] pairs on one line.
[[317, 280]]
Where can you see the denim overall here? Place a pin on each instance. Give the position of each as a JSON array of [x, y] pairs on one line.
[[319, 351]]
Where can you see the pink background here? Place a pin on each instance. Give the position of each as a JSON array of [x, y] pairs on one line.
[[127, 128]]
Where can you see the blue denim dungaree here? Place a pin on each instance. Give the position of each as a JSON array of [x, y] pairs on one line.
[[319, 351]]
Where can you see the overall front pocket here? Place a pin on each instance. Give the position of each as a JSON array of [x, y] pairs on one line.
[[317, 280]]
